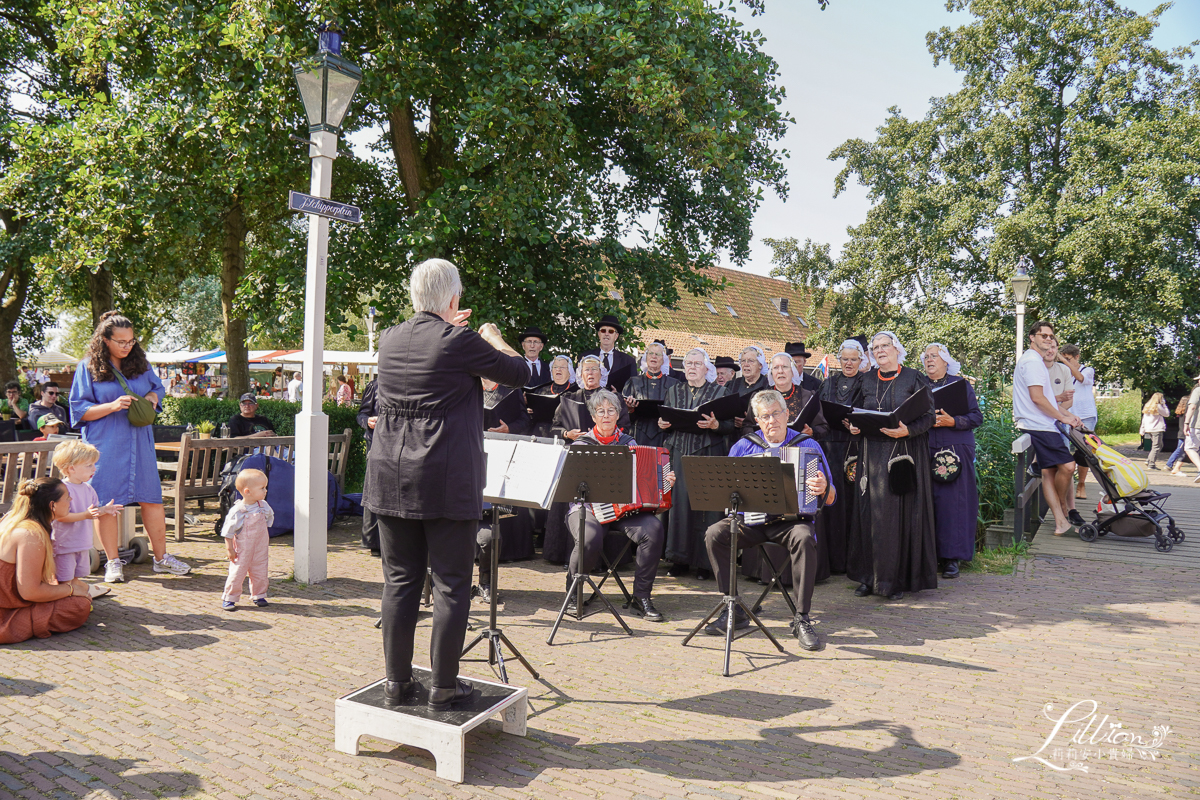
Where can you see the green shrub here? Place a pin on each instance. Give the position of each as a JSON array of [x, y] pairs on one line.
[[1120, 414], [993, 452], [182, 410]]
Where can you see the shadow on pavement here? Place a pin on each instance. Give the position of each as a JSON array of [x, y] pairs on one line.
[[63, 773]]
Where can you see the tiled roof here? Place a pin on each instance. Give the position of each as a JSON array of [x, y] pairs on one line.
[[758, 321]]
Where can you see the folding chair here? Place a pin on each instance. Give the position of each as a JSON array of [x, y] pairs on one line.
[[610, 571], [776, 577]]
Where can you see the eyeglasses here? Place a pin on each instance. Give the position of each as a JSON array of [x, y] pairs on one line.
[[124, 344], [608, 330], [49, 394], [774, 415]]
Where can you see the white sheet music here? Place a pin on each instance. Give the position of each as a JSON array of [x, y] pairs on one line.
[[499, 455]]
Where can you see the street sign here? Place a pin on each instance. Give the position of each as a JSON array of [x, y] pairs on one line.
[[308, 204]]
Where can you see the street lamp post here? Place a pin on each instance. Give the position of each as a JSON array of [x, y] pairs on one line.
[[326, 89], [1020, 282]]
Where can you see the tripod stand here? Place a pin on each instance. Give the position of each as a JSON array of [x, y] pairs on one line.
[[493, 634], [763, 485], [604, 472]]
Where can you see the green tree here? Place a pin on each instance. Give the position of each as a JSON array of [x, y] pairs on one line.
[[1073, 140]]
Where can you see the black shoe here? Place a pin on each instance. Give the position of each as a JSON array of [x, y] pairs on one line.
[[703, 575], [896, 596], [376, 553], [442, 699], [396, 692], [572, 608], [951, 570], [678, 570], [484, 593], [803, 631], [644, 607], [717, 626], [1076, 518], [862, 591]]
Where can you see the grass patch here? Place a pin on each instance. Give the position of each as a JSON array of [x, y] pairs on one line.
[[1001, 561], [1124, 439], [1119, 414]]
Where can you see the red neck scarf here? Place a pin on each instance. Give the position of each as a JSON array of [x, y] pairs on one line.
[[606, 439]]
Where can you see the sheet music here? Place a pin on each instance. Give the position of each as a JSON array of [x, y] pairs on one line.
[[532, 473], [499, 453]]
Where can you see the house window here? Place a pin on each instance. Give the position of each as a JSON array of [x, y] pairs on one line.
[[781, 305], [800, 319], [711, 307], [732, 313]]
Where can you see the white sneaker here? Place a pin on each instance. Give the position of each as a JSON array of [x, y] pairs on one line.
[[114, 571], [172, 565]]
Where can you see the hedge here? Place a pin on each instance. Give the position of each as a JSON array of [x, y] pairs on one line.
[[1119, 414], [182, 410]]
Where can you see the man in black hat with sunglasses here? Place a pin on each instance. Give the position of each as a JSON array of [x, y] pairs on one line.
[[531, 341], [613, 363], [800, 357]]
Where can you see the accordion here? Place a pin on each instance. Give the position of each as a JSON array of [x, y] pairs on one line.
[[807, 464], [649, 464]]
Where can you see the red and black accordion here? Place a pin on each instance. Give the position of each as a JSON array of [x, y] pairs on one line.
[[649, 492]]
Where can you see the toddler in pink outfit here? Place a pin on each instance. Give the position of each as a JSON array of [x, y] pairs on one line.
[[246, 540], [72, 534]]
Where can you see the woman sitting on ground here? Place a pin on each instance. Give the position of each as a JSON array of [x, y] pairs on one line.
[[32, 602]]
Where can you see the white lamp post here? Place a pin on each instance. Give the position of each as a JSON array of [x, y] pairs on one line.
[[327, 89], [1020, 282]]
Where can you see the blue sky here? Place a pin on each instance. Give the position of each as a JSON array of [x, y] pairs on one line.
[[843, 68]]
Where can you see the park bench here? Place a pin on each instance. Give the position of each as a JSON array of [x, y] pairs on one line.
[[22, 461], [196, 474]]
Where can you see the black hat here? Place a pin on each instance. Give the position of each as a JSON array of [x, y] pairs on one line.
[[248, 397], [861, 340], [531, 333], [796, 349], [609, 319], [725, 362], [664, 344]]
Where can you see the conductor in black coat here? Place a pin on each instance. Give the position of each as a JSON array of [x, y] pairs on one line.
[[425, 473]]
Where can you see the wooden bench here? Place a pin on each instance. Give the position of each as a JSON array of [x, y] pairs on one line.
[[22, 461], [197, 473]]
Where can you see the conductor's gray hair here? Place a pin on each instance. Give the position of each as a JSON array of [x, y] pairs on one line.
[[601, 397], [762, 401], [433, 285]]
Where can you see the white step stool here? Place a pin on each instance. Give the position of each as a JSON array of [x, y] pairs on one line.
[[362, 713]]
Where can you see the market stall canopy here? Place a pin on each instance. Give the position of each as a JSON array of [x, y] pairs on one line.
[[177, 356], [331, 357], [256, 356], [51, 358], [272, 355]]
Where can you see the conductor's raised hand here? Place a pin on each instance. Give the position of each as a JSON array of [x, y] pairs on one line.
[[460, 318]]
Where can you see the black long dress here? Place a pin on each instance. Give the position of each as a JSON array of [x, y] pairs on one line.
[[645, 387], [837, 443], [685, 528], [892, 546]]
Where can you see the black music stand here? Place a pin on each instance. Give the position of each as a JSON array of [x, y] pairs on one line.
[[493, 634], [592, 475], [762, 485]]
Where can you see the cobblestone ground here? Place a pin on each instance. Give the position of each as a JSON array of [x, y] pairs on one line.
[[162, 694]]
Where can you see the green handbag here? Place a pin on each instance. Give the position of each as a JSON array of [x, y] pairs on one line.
[[141, 410]]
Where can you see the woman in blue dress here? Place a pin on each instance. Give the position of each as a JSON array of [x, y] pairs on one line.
[[127, 471], [956, 504]]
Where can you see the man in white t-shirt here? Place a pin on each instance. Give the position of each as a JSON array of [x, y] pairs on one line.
[[1083, 404], [295, 387], [1035, 411]]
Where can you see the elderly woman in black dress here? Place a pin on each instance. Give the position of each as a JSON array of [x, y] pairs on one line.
[[685, 528], [892, 549], [840, 387], [952, 449], [650, 384]]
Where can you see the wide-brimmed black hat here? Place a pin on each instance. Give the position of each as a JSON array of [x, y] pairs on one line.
[[609, 319], [726, 362], [861, 340], [796, 349], [531, 332], [664, 344]]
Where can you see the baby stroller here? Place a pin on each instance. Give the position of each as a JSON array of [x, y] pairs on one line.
[[1143, 507]]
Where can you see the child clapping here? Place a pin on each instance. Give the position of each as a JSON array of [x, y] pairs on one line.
[[246, 540]]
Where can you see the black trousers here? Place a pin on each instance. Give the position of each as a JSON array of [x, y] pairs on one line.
[[407, 545], [796, 537], [370, 529], [644, 530]]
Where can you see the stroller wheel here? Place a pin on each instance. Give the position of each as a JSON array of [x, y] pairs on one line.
[[1163, 545], [1175, 534], [1088, 532]]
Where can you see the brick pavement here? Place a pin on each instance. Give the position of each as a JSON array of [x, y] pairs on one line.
[[164, 695]]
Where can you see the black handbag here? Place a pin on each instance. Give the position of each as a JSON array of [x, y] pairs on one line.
[[946, 466], [902, 473]]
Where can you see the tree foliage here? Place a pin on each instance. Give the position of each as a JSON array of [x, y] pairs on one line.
[[1073, 140]]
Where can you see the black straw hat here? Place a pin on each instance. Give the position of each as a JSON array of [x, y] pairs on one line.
[[726, 362], [796, 349], [610, 320], [531, 333]]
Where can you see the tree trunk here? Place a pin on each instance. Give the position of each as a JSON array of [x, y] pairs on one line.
[[233, 267], [100, 287], [14, 289]]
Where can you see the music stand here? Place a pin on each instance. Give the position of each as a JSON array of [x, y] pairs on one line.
[[592, 475], [493, 633], [762, 485]]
